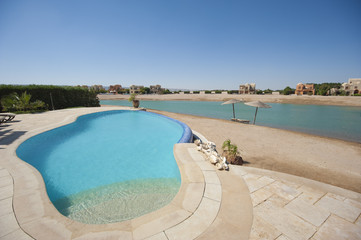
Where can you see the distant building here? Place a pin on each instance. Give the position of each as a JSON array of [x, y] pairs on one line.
[[305, 89], [352, 87], [135, 89], [247, 88], [156, 89], [115, 88]]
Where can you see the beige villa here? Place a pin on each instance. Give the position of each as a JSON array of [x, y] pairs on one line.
[[247, 88], [352, 87]]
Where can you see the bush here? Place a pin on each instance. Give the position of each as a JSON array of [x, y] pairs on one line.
[[230, 151], [16, 103], [63, 97]]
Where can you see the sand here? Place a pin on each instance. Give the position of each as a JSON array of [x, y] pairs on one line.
[[323, 159], [292, 99]]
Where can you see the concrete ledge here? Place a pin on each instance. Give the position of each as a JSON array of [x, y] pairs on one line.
[[197, 202]]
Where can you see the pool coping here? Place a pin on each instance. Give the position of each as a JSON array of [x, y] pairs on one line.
[[196, 204]]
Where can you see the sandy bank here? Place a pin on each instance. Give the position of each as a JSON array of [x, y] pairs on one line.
[[327, 160], [316, 100]]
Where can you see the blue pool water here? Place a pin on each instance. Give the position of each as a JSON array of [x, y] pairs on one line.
[[330, 121], [106, 161]]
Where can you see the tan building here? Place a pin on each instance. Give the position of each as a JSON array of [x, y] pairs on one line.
[[247, 88], [305, 89], [156, 89], [352, 87], [135, 89], [115, 88]]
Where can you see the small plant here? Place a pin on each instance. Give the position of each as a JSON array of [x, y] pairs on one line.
[[133, 99], [230, 151], [16, 103]]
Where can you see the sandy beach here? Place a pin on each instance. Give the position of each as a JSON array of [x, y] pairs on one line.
[[292, 99], [327, 160]]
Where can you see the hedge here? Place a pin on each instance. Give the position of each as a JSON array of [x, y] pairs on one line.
[[63, 96]]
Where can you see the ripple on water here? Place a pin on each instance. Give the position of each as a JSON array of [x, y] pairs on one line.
[[118, 201]]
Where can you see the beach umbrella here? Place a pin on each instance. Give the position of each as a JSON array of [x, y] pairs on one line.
[[257, 104], [232, 101]]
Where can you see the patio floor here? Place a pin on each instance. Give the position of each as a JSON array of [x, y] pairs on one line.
[[243, 203]]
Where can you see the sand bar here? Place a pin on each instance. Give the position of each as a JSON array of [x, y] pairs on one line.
[[323, 159], [291, 99]]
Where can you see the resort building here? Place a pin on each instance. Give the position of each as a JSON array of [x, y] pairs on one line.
[[135, 89], [352, 87], [115, 88], [247, 88], [156, 89], [305, 89]]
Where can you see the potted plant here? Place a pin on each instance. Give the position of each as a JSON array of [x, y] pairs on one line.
[[135, 101], [230, 151]]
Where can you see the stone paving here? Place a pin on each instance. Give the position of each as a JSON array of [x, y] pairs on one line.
[[243, 203], [299, 208]]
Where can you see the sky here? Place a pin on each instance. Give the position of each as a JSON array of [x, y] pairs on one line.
[[185, 44]]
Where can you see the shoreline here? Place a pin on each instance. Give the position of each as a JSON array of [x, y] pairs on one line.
[[352, 101], [314, 157]]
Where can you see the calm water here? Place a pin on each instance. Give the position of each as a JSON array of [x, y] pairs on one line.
[[330, 121], [109, 166]]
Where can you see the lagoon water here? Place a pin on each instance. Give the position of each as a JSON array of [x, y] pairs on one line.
[[330, 121]]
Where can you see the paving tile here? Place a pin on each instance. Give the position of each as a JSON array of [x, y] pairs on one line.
[[47, 228], [260, 195], [8, 224], [6, 206], [28, 207], [283, 237], [278, 201], [116, 235], [18, 235], [192, 173], [6, 181], [353, 203], [237, 170], [197, 223], [263, 230], [338, 207], [283, 190], [206, 166], [4, 173], [213, 191], [335, 196], [6, 192], [159, 236], [160, 224], [310, 195], [196, 155], [211, 177], [358, 221], [286, 222], [291, 184], [190, 197], [307, 211], [336, 228], [256, 183]]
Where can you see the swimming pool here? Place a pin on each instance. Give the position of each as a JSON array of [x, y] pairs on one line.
[[109, 166]]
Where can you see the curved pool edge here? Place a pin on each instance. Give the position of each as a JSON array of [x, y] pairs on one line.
[[37, 216]]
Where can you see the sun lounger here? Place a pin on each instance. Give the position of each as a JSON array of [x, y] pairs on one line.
[[8, 116], [2, 119]]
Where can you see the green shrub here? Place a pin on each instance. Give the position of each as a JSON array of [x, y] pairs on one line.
[[16, 103], [62, 96]]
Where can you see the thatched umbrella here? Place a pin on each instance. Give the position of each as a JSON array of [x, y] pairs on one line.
[[232, 101], [257, 104]]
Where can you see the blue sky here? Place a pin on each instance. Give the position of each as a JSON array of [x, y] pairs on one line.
[[189, 44]]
